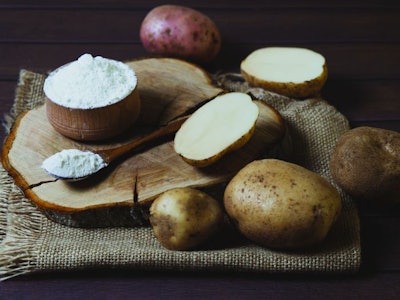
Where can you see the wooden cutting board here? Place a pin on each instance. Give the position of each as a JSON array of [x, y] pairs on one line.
[[120, 195]]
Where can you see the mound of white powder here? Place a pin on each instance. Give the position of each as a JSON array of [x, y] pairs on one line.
[[73, 163], [90, 82]]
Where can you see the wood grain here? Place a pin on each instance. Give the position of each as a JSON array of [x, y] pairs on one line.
[[116, 25]]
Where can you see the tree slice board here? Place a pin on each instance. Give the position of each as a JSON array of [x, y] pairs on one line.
[[170, 87], [122, 193]]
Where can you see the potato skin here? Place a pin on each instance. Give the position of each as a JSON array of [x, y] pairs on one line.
[[366, 164], [302, 90], [183, 218], [181, 32], [281, 205]]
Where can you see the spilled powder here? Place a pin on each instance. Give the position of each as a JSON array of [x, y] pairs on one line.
[[73, 163], [90, 82]]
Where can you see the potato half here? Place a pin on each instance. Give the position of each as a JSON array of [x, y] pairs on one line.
[[293, 72], [224, 124]]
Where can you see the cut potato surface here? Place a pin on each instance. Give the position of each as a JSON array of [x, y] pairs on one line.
[[222, 125], [294, 72]]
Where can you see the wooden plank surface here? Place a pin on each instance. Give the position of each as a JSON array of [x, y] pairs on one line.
[[116, 25], [361, 43]]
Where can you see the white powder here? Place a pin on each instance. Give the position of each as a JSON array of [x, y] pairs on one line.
[[73, 163], [90, 82]]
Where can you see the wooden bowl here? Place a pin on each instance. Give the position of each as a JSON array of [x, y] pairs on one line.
[[93, 124], [92, 99]]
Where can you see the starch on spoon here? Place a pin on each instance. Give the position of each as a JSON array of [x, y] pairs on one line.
[[73, 163]]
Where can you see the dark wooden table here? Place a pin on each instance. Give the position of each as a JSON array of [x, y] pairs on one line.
[[361, 42]]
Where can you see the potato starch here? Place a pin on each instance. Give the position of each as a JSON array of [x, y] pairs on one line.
[[90, 82], [73, 163]]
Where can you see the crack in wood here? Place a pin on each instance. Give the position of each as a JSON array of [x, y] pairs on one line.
[[139, 216], [32, 186]]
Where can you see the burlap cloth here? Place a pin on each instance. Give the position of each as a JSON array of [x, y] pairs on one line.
[[32, 243]]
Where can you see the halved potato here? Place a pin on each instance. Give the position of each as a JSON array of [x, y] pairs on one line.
[[224, 124], [293, 72]]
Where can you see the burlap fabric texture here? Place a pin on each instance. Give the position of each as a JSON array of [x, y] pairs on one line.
[[32, 243]]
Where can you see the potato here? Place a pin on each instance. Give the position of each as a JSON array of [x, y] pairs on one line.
[[278, 204], [290, 71], [220, 126], [366, 164], [183, 218], [180, 32]]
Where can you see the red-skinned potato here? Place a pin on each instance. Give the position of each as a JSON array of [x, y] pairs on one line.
[[182, 32]]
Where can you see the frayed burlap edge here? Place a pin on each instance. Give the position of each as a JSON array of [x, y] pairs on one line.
[[23, 230], [19, 233]]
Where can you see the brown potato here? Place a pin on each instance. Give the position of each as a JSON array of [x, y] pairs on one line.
[[366, 164], [183, 218], [281, 205]]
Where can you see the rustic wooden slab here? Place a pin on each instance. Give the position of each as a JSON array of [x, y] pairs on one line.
[[112, 197], [170, 87]]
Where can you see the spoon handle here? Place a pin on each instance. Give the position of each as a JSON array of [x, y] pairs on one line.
[[109, 155]]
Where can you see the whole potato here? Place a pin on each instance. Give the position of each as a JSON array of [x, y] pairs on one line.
[[183, 218], [181, 32], [366, 164], [281, 205]]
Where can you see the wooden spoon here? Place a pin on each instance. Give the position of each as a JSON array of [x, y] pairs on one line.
[[109, 155]]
